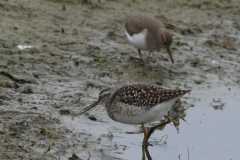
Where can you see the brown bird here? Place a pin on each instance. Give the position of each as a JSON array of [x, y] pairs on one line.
[[147, 33]]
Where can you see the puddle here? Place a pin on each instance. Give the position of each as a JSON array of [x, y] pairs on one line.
[[207, 133]]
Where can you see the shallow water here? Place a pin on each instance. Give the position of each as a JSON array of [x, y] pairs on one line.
[[207, 133]]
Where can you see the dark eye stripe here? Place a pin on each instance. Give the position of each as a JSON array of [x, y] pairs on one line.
[[104, 90]]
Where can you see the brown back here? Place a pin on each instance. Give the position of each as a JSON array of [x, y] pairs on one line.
[[135, 24], [144, 95]]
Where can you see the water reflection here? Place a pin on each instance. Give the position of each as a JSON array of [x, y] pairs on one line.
[[145, 150], [217, 104], [177, 113]]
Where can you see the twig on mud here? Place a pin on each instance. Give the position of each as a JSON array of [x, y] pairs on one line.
[[49, 133], [17, 112], [185, 108], [12, 114], [89, 156], [181, 30], [67, 43], [74, 157], [218, 106], [165, 139], [14, 79], [49, 146], [22, 122], [59, 73], [4, 46], [140, 61], [80, 74], [134, 58], [16, 85], [169, 25], [182, 118], [219, 100]]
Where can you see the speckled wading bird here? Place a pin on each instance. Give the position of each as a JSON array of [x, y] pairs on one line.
[[138, 104], [147, 33]]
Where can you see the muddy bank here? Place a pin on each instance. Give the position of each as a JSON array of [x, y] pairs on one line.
[[79, 48]]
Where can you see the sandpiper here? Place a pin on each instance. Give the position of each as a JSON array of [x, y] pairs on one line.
[[147, 33], [138, 104]]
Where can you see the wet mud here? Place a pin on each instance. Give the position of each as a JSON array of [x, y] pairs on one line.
[[56, 55]]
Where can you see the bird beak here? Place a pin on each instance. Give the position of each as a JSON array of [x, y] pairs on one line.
[[90, 107], [169, 53]]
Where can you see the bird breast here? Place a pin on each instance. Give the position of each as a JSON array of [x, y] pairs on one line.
[[138, 40], [131, 114]]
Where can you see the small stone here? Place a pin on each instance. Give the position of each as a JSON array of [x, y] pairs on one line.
[[19, 100], [92, 118], [64, 112]]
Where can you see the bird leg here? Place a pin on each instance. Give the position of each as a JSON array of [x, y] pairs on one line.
[[147, 153], [153, 128], [139, 59], [145, 134], [149, 56], [139, 52], [149, 53], [144, 141]]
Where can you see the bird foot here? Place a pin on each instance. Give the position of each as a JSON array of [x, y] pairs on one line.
[[143, 62], [139, 59]]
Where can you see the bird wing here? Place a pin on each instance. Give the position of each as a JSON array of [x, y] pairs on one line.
[[135, 24], [145, 95]]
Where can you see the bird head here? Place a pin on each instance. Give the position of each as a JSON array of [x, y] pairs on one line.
[[166, 41], [103, 98]]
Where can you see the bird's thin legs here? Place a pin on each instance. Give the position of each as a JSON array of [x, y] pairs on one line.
[[147, 153], [145, 134], [155, 127], [139, 59], [139, 52], [146, 63], [148, 56], [144, 141]]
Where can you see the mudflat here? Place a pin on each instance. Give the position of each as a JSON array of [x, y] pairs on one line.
[[56, 56]]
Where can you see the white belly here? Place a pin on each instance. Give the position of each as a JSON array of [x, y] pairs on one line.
[[138, 40], [145, 116]]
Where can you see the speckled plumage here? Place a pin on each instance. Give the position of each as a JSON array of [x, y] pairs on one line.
[[144, 95], [139, 103]]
